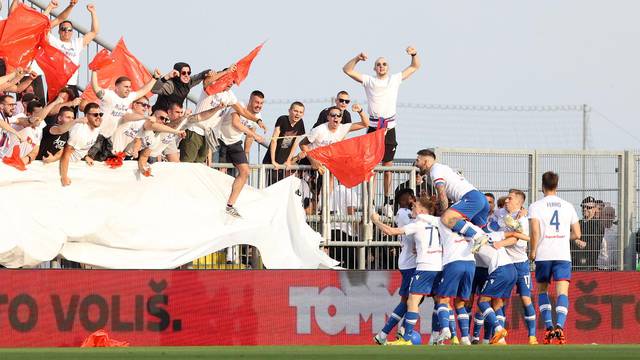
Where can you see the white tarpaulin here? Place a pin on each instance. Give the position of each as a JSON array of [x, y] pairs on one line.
[[114, 218]]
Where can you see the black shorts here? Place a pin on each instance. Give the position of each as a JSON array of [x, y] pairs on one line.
[[233, 153], [390, 144]]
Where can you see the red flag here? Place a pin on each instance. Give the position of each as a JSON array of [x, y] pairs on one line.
[[123, 63], [57, 67], [102, 59], [238, 76], [352, 160], [22, 33]]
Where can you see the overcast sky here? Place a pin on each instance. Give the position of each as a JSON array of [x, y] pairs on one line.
[[489, 52]]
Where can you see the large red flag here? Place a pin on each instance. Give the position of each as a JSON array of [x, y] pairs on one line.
[[238, 76], [22, 33], [120, 63], [102, 59], [57, 67], [352, 160]]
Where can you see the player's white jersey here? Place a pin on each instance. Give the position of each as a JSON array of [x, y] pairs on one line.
[[454, 246], [455, 184], [424, 231], [555, 217], [407, 257], [517, 251], [495, 257]]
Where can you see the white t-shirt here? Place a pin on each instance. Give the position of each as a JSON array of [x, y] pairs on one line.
[[228, 133], [382, 96], [339, 203], [73, 49], [555, 217], [517, 251], [81, 138], [427, 242], [456, 186], [322, 136], [495, 257], [161, 143], [207, 102], [407, 257], [454, 246], [32, 135], [125, 134], [113, 107]]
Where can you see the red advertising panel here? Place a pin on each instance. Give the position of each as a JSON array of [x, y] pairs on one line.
[[62, 307]]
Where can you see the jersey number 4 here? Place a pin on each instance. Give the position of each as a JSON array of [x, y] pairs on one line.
[[554, 220]]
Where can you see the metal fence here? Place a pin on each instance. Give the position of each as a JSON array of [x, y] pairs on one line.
[[341, 215]]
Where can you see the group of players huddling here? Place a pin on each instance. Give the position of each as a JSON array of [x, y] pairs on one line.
[[465, 254]]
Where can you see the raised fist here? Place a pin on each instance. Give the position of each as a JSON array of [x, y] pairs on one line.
[[356, 108], [411, 50], [362, 57], [91, 8]]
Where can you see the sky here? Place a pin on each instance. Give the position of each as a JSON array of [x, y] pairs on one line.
[[489, 52]]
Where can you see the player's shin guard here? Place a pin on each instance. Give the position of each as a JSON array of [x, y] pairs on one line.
[[463, 321], [452, 324], [478, 322], [545, 309], [410, 320], [530, 319], [443, 315], [500, 316], [464, 228], [562, 308], [395, 317], [435, 323]]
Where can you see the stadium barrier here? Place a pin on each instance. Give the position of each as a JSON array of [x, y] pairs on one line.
[[278, 307]]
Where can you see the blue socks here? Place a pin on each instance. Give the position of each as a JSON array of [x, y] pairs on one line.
[[443, 315], [490, 319], [410, 320], [478, 322], [464, 228], [562, 308], [463, 321], [435, 324], [545, 309], [395, 317], [530, 319], [500, 316]]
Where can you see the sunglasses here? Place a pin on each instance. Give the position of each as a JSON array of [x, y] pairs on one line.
[[588, 207], [185, 72], [335, 115], [381, 64], [164, 119], [66, 29], [96, 114], [344, 101], [145, 105]]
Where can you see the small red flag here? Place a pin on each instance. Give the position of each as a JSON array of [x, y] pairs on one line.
[[22, 33], [238, 76], [123, 63], [352, 160], [57, 67]]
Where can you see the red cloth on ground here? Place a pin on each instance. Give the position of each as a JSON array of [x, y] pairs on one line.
[[101, 338]]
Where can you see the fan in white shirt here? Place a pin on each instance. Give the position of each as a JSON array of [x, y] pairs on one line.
[[73, 47], [82, 136], [129, 127], [331, 132], [382, 97]]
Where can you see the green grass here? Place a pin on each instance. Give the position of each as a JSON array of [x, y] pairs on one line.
[[574, 352]]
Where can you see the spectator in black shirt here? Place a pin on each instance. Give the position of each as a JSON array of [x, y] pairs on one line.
[[175, 86], [288, 128], [586, 258], [342, 103], [55, 136]]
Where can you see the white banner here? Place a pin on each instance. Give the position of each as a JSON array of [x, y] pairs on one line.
[[113, 218]]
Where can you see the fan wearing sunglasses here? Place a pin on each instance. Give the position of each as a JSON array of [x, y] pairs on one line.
[[382, 96], [341, 102], [129, 126], [174, 87], [82, 136]]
